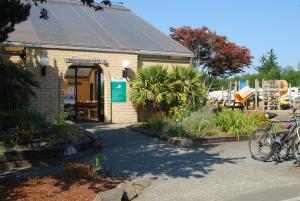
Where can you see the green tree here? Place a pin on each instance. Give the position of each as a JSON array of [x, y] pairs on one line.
[[16, 85], [269, 68], [291, 75], [12, 12], [150, 87], [186, 85]]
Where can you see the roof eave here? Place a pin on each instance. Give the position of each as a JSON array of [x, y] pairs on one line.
[[98, 49]]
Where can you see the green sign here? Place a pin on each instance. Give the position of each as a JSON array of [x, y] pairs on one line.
[[118, 91]]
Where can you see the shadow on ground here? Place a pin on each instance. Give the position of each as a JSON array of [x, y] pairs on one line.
[[130, 154]]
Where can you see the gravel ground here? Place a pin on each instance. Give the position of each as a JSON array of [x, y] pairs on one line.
[[207, 172]]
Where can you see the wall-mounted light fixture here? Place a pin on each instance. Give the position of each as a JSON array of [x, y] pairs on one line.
[[44, 61], [125, 65]]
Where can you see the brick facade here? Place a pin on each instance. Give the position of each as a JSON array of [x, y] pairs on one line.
[[50, 96]]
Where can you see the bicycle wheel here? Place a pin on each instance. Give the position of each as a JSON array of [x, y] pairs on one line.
[[296, 148], [260, 145]]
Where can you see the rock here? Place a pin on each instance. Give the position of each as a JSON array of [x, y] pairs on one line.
[[134, 188], [129, 191], [140, 185], [70, 150], [98, 197], [115, 194]]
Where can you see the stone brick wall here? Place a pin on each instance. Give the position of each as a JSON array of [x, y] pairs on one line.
[[50, 95]]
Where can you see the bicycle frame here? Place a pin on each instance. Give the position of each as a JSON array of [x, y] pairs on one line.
[[290, 131]]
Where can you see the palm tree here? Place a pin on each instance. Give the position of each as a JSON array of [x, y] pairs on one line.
[[186, 85], [16, 85], [150, 87]]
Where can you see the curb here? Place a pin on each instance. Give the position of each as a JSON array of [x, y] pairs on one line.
[[189, 141]]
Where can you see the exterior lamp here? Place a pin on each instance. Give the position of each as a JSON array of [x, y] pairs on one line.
[[44, 61], [125, 65]]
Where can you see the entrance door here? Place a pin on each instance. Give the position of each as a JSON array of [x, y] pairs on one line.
[[84, 94]]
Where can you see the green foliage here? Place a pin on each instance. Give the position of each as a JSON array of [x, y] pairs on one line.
[[177, 131], [163, 90], [12, 13], [156, 123], [180, 112], [269, 66], [236, 122], [27, 119], [186, 86], [98, 161], [200, 124], [16, 85], [268, 70], [64, 130], [2, 150], [196, 124], [291, 75], [150, 87]]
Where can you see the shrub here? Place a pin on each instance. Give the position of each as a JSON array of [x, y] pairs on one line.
[[180, 112], [236, 122], [23, 119], [156, 123], [200, 124], [163, 90], [16, 85], [64, 129], [177, 131], [186, 86], [150, 87]]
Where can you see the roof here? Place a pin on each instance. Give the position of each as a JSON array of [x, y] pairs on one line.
[[72, 25]]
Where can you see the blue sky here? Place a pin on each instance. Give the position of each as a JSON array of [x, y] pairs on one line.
[[257, 24]]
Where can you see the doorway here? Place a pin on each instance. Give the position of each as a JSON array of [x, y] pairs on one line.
[[84, 94]]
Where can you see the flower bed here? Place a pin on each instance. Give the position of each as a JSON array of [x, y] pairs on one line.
[[203, 126], [54, 147]]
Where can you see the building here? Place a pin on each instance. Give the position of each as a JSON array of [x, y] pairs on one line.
[[85, 53]]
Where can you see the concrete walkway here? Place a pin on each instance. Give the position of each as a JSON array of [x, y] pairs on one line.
[[208, 172]]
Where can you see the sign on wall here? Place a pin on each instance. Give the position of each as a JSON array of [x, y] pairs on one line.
[[69, 95], [118, 90], [79, 61]]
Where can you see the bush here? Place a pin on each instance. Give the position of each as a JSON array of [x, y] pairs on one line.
[[156, 123], [16, 84], [180, 112], [150, 87], [162, 89], [177, 131], [200, 124], [64, 129], [25, 119], [236, 122]]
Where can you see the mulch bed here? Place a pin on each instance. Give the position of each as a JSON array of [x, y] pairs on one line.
[[78, 183]]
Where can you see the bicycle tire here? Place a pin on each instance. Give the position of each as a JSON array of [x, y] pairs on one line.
[[265, 140], [296, 148]]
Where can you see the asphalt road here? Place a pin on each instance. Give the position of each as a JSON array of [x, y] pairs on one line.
[[208, 172]]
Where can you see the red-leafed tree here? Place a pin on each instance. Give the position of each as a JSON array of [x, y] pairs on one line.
[[214, 54]]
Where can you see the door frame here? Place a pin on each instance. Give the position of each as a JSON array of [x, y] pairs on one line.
[[99, 81]]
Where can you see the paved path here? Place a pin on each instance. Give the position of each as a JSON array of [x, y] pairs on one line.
[[208, 172]]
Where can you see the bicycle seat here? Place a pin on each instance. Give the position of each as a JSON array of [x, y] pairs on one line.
[[270, 115]]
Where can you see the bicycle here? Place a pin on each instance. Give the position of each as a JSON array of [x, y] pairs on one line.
[[271, 144]]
